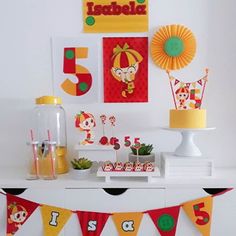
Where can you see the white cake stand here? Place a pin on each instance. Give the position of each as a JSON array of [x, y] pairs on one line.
[[187, 147]]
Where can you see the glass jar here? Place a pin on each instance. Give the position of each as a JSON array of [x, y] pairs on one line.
[[49, 124], [33, 167]]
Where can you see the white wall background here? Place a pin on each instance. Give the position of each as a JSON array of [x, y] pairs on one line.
[[25, 65]]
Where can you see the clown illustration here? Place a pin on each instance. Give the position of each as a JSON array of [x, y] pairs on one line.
[[125, 65], [182, 95], [85, 122], [17, 214]]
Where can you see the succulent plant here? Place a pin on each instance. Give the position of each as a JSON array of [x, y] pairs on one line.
[[144, 150], [81, 163]]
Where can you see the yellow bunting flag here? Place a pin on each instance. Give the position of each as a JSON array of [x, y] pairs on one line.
[[54, 219], [127, 223], [200, 212], [115, 16]]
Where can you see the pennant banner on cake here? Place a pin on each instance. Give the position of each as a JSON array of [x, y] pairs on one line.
[[165, 220], [127, 223], [199, 212], [54, 219], [18, 211], [92, 223], [188, 95]]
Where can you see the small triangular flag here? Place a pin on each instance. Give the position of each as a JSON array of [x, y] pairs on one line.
[[199, 212], [92, 223], [54, 219], [127, 223], [165, 220], [18, 211]]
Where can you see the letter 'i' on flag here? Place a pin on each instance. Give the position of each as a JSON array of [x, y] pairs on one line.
[[92, 223], [199, 212], [18, 211], [127, 223], [54, 219], [165, 220]]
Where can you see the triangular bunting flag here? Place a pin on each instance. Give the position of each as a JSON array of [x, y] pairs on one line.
[[127, 223], [188, 85], [176, 81], [92, 223], [200, 82], [194, 84], [199, 211], [165, 220], [18, 211], [54, 219]]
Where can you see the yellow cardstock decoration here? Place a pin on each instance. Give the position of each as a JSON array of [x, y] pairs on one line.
[[200, 213], [115, 16], [54, 219], [127, 223]]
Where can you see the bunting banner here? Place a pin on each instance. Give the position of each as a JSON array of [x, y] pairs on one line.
[[54, 219], [188, 95], [127, 223], [165, 220], [92, 223], [199, 212], [18, 211]]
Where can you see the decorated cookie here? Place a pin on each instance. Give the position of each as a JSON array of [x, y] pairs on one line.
[[148, 167], [108, 166]]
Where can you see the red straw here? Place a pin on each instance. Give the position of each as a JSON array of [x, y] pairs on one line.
[[34, 154], [50, 148]]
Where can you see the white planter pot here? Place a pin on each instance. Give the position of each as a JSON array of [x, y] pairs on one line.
[[80, 174], [142, 159]]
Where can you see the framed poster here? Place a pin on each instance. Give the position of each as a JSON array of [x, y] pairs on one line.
[[115, 16], [75, 69], [125, 66]]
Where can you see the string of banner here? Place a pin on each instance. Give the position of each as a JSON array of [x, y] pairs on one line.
[[54, 218]]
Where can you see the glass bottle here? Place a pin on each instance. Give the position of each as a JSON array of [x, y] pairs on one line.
[[49, 118], [33, 167], [48, 161]]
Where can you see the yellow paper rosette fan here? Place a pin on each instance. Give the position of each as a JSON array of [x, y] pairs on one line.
[[173, 47]]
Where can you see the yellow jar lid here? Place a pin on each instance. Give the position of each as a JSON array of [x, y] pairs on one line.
[[48, 100]]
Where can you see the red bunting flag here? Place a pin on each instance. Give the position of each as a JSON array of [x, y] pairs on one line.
[[200, 82], [165, 220], [18, 211], [92, 223], [176, 81]]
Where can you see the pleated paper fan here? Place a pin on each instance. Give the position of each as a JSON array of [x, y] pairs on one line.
[[173, 47]]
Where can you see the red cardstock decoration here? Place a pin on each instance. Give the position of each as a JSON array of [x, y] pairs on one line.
[[165, 220], [92, 223], [18, 211], [125, 69]]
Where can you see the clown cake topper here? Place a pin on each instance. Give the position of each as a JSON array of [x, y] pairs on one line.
[[86, 122], [188, 95]]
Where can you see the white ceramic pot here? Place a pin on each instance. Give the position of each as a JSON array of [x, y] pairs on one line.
[[80, 174], [142, 159]]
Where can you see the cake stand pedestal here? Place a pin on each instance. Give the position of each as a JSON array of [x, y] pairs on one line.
[[187, 147]]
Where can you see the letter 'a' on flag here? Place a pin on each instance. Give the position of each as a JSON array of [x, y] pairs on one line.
[[92, 223], [199, 212], [54, 219], [18, 211], [127, 223], [165, 220]]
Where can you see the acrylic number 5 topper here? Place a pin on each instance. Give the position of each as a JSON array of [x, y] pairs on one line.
[[125, 64], [188, 95], [85, 122], [173, 47], [82, 74]]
